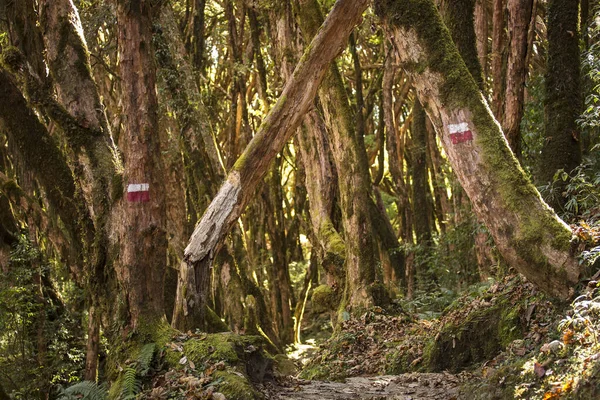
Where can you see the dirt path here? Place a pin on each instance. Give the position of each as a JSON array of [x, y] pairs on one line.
[[402, 387]]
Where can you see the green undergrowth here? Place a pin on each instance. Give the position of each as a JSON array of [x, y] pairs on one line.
[[174, 365]]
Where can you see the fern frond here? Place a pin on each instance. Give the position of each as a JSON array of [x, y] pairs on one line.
[[145, 358], [89, 391], [130, 384]]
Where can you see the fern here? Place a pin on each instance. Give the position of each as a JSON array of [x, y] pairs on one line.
[[131, 385], [145, 358], [89, 391]]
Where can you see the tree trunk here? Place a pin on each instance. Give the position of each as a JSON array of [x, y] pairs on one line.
[[482, 32], [562, 106], [498, 71], [40, 154], [458, 17], [519, 17], [353, 175], [528, 234], [93, 344], [320, 173], [142, 237], [419, 175], [249, 170]]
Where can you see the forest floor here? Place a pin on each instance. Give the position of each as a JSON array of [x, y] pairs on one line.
[[503, 340]]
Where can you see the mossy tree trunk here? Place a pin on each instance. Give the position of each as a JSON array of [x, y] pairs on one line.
[[482, 34], [40, 156], [143, 244], [249, 170], [458, 16], [527, 232], [353, 174], [92, 153], [562, 106]]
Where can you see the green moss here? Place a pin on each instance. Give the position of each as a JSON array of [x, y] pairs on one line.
[[318, 371], [12, 59], [216, 347], [117, 187], [284, 366], [235, 386], [480, 336], [324, 298]]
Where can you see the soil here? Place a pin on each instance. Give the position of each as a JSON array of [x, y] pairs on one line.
[[441, 386]]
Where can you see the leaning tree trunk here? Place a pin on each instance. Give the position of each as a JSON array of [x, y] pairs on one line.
[[249, 170], [527, 232]]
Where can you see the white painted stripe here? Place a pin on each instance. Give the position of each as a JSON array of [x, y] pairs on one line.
[[138, 187], [462, 127]]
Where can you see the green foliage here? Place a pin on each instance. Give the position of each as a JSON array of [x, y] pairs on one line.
[[85, 390], [131, 385], [580, 188], [41, 346], [590, 119], [532, 124], [145, 358]]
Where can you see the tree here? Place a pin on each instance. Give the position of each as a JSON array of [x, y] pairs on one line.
[[142, 230], [529, 235], [519, 17], [562, 105]]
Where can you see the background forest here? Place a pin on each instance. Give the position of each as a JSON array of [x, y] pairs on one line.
[[358, 211]]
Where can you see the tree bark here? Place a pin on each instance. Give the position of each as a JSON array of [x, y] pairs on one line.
[[561, 148], [529, 235], [142, 236], [419, 175], [519, 17], [93, 345], [249, 170]]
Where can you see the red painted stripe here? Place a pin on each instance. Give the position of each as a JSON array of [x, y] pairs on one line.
[[141, 196], [460, 137]]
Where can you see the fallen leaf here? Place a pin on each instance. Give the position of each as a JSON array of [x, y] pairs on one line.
[[539, 370]]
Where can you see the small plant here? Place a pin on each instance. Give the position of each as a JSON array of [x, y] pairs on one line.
[[85, 390]]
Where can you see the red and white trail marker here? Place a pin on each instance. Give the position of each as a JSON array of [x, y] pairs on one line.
[[460, 133], [138, 192]]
